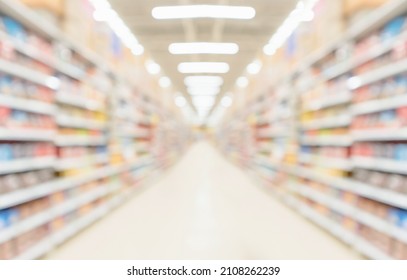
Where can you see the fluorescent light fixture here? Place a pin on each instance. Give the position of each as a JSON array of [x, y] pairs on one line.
[[242, 82], [180, 101], [203, 11], [203, 101], [203, 67], [203, 48], [226, 101], [104, 12], [302, 12], [192, 81], [164, 82], [203, 90], [254, 67], [152, 67]]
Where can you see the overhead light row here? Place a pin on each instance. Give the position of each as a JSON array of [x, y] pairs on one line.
[[203, 11], [202, 89], [302, 13], [104, 12]]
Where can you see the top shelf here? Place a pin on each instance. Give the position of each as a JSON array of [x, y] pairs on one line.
[[30, 19], [375, 20]]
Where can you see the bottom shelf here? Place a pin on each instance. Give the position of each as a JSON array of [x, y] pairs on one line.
[[350, 238], [51, 242]]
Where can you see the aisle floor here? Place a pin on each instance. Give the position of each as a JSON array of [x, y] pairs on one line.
[[203, 208]]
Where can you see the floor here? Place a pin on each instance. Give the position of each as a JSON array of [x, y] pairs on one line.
[[203, 208]]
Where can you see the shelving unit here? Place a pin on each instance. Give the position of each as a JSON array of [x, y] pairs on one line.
[[349, 175], [70, 174]]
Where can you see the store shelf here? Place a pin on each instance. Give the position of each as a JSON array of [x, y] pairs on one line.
[[327, 140], [7, 134], [337, 230], [386, 134], [379, 105], [379, 194], [48, 243], [326, 162], [78, 101], [18, 197], [379, 74], [80, 140], [75, 122], [331, 122], [370, 251], [80, 162], [26, 73], [25, 104], [51, 214], [27, 164], [379, 164], [386, 196], [327, 101], [35, 54], [371, 54]]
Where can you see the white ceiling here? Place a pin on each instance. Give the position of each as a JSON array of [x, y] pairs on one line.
[[157, 35]]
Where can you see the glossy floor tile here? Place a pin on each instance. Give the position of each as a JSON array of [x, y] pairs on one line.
[[203, 208]]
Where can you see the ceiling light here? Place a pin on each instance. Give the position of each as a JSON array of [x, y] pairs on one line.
[[152, 67], [242, 82], [104, 12], [226, 101], [203, 67], [216, 81], [180, 101], [203, 11], [302, 12], [164, 82], [203, 101], [203, 48], [254, 67], [204, 90]]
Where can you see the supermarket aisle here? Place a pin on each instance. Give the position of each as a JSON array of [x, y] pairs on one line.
[[204, 208]]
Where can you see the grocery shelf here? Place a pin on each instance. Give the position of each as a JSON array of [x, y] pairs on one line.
[[7, 134], [26, 164], [64, 164], [35, 54], [329, 122], [386, 196], [373, 53], [50, 214], [337, 230], [49, 243], [370, 251], [44, 189], [80, 140], [28, 74], [326, 161], [78, 101], [385, 134], [380, 164], [327, 101], [353, 212], [379, 105], [381, 73], [25, 104], [75, 122], [327, 140]]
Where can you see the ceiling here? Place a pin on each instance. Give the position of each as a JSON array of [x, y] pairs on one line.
[[157, 35]]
